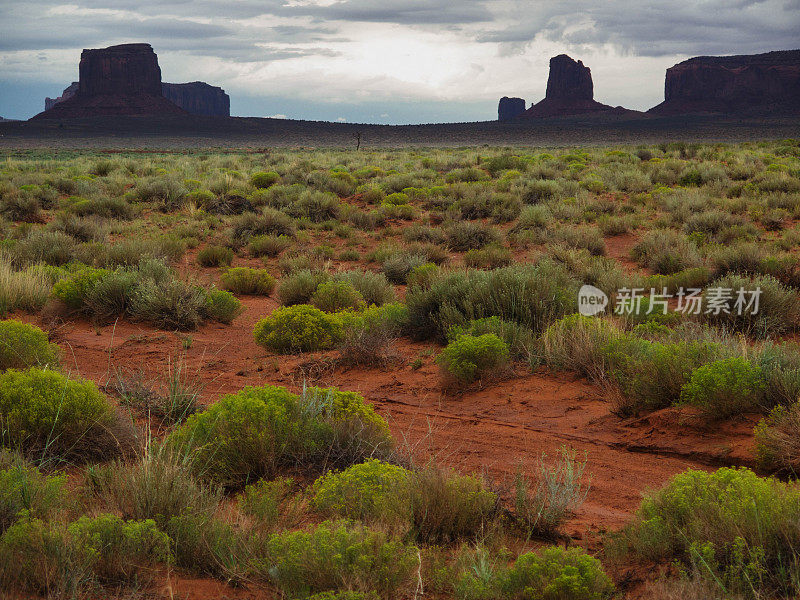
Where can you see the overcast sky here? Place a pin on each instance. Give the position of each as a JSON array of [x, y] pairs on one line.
[[383, 61]]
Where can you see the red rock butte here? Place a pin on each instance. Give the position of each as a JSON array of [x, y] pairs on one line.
[[569, 91], [118, 80]]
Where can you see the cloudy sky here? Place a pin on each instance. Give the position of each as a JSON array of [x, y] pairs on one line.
[[383, 61]]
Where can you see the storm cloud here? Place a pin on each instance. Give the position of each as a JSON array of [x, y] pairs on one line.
[[389, 61]]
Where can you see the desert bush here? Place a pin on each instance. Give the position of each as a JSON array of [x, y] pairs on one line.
[[778, 439], [520, 340], [651, 375], [733, 525], [39, 558], [215, 256], [373, 490], [369, 338], [447, 506], [264, 179], [778, 309], [335, 555], [373, 287], [272, 503], [491, 257], [125, 551], [780, 368], [44, 414], [334, 296], [109, 208], [298, 287], [531, 295], [725, 387], [315, 206], [25, 290], [665, 252], [244, 280], [579, 343], [397, 267], [466, 235], [171, 304], [269, 221], [159, 485], [268, 245], [221, 306], [588, 237], [24, 488], [259, 431], [42, 246], [556, 573], [468, 358], [23, 345], [209, 545], [543, 503], [298, 328]]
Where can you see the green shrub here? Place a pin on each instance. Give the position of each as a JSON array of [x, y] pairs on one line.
[[334, 296], [247, 281], [447, 506], [778, 439], [397, 267], [333, 556], [75, 289], [44, 413], [264, 179], [735, 526], [259, 431], [23, 345], [580, 343], [298, 287], [373, 287], [778, 306], [171, 304], [267, 501], [520, 340], [26, 290], [215, 256], [43, 559], [465, 235], [126, 551], [372, 490], [468, 357], [24, 488], [299, 328], [555, 574], [530, 295], [222, 306], [268, 245], [725, 387]]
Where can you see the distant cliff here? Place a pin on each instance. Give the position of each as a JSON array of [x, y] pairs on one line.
[[510, 108], [747, 84], [68, 92], [198, 98]]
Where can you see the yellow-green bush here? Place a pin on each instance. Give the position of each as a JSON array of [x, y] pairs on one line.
[[469, 357], [260, 431], [299, 328], [44, 412], [373, 489], [23, 345]]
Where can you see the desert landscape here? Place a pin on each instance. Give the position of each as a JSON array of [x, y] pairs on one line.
[[552, 355]]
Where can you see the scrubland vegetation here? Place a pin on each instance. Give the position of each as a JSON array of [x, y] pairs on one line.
[[479, 254]]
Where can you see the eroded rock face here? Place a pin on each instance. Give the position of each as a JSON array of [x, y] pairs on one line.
[[198, 98], [569, 91], [118, 80], [68, 92], [120, 70], [510, 108], [757, 83], [569, 80]]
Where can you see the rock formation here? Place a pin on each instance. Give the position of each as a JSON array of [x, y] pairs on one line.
[[569, 91], [198, 98], [510, 108], [68, 92], [118, 80], [759, 84]]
